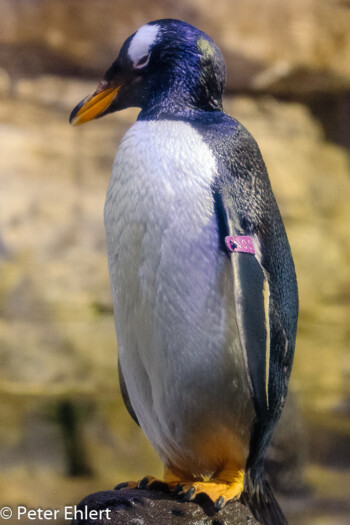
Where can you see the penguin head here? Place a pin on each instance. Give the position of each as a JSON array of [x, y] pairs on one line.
[[166, 67]]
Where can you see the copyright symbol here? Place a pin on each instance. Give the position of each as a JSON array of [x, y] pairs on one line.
[[5, 513]]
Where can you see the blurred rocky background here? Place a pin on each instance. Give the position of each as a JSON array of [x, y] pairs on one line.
[[64, 431]]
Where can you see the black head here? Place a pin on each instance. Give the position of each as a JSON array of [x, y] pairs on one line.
[[167, 66]]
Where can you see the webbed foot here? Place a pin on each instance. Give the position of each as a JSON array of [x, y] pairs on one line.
[[226, 487]]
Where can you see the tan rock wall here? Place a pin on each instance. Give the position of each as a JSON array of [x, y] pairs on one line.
[[275, 44]]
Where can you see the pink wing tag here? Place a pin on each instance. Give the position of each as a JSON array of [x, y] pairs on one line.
[[240, 243]]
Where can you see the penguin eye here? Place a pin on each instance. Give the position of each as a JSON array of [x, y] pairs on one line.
[[143, 61]]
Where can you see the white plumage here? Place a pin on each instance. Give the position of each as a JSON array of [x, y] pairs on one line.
[[142, 42]]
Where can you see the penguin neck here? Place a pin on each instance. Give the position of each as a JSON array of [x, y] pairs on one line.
[[178, 101]]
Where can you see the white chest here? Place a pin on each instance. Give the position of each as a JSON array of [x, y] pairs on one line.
[[172, 285], [163, 171], [159, 212]]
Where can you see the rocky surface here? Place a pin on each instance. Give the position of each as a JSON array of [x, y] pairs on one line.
[[144, 507]]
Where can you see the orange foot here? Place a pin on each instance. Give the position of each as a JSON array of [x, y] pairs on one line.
[[226, 487], [220, 490]]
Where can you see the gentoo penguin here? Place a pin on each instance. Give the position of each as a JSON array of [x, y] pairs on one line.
[[202, 275]]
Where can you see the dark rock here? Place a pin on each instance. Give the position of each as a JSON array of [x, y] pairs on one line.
[[152, 507]]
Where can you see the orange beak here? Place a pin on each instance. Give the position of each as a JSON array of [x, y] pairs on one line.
[[94, 105]]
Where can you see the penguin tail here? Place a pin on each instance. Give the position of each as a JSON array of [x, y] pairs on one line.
[[259, 498]]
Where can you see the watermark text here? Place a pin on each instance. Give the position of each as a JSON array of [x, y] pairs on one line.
[[69, 512]]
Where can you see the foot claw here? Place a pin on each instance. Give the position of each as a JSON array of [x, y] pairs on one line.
[[148, 482], [219, 503], [126, 485], [189, 494], [121, 485], [143, 483]]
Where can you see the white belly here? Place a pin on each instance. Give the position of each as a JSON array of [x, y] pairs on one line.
[[173, 292]]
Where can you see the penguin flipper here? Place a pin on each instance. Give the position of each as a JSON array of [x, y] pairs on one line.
[[125, 394], [251, 291]]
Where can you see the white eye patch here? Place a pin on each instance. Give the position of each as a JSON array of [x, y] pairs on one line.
[[141, 44]]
